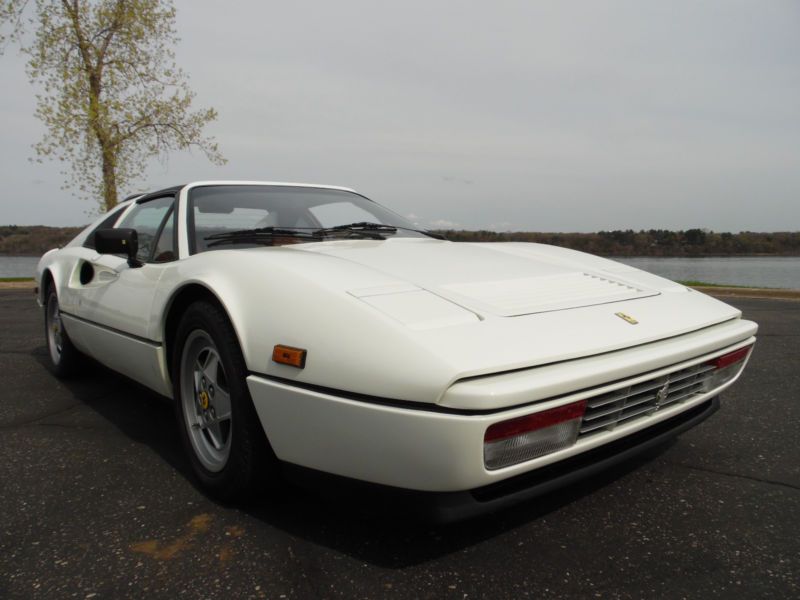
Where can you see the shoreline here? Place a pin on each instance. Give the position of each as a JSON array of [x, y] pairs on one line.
[[747, 292]]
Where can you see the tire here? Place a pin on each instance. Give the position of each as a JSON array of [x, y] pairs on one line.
[[218, 424], [65, 359]]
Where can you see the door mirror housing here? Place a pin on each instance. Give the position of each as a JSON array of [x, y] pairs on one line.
[[118, 241]]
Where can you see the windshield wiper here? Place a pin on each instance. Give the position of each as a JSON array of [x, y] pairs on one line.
[[363, 228], [266, 235], [261, 235]]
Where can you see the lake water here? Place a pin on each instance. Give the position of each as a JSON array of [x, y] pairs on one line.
[[778, 272], [756, 271], [18, 266]]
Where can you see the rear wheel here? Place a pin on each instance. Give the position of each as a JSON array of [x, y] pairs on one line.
[[219, 426], [65, 359]]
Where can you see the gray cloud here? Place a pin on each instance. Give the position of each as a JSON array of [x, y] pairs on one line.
[[542, 116]]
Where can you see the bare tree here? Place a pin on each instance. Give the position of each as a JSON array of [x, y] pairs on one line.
[[112, 96]]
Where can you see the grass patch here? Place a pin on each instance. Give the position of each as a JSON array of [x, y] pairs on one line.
[[14, 279]]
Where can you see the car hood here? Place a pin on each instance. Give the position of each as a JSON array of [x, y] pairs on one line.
[[505, 280], [444, 311]]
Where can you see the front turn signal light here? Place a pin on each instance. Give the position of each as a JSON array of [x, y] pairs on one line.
[[286, 355]]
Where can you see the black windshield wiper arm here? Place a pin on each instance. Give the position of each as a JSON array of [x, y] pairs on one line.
[[374, 229], [365, 228], [265, 235], [261, 235]]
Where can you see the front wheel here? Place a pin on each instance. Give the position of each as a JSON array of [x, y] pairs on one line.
[[219, 426]]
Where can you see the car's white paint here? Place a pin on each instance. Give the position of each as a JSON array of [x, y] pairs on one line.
[[138, 359], [411, 319], [474, 276], [299, 297], [560, 378]]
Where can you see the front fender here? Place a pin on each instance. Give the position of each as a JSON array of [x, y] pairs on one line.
[[280, 296]]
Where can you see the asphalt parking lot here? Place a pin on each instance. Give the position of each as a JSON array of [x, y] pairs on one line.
[[96, 500]]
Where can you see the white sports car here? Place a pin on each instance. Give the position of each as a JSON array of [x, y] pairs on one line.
[[306, 326]]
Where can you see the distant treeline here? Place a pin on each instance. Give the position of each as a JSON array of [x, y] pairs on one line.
[[654, 242], [35, 240]]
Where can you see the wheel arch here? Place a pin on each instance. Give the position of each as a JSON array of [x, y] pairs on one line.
[[56, 275], [180, 300], [45, 282]]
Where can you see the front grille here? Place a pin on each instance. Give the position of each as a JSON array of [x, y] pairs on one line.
[[605, 412]]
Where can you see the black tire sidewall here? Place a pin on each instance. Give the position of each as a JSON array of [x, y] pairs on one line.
[[249, 455], [70, 359]]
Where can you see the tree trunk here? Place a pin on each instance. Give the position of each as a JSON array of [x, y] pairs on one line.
[[104, 140], [109, 177]]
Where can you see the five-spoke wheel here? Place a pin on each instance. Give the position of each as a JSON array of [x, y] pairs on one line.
[[206, 398], [219, 426]]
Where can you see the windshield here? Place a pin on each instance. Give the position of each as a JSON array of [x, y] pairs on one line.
[[216, 211]]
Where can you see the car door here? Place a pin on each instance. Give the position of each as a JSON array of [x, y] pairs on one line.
[[114, 299]]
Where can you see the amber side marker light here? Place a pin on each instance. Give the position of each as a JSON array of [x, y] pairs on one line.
[[286, 355]]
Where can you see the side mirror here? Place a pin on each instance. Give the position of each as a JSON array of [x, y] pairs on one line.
[[118, 241]]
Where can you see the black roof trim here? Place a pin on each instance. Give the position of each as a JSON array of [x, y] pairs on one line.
[[170, 191]]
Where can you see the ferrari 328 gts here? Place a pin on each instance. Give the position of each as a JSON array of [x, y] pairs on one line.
[[307, 326]]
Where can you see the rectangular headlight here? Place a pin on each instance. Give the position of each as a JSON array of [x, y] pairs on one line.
[[726, 367], [524, 438]]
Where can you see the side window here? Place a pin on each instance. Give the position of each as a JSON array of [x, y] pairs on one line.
[[146, 219], [107, 223], [165, 246]]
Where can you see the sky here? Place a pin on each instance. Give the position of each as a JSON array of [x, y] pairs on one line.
[[530, 115]]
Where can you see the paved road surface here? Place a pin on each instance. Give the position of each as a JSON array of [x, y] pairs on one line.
[[96, 500]]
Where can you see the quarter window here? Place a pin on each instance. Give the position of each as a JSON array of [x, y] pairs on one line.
[[107, 223], [165, 247]]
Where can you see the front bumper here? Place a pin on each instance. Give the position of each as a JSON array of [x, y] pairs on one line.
[[446, 507], [426, 448]]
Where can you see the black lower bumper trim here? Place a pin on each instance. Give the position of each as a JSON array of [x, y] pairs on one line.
[[444, 507]]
